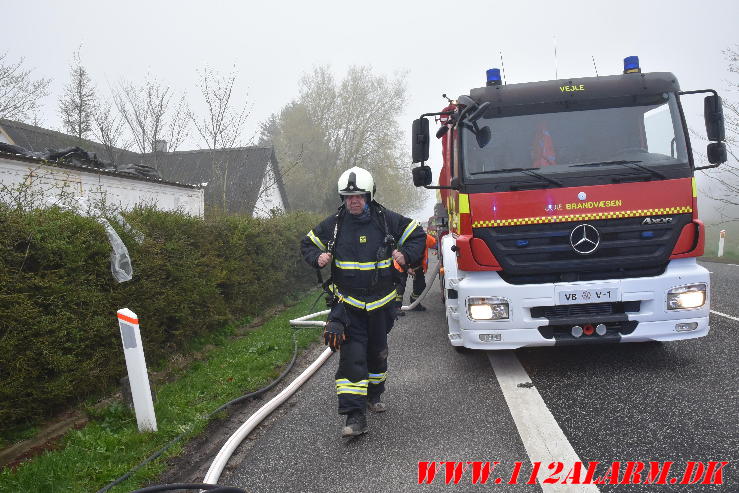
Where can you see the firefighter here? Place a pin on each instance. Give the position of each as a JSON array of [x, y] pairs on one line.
[[360, 242], [418, 273]]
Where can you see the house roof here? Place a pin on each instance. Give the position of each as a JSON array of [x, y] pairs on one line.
[[90, 169], [241, 169], [39, 139]]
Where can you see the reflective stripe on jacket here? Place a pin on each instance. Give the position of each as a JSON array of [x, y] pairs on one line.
[[362, 262]]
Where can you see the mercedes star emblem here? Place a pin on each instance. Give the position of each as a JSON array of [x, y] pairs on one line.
[[584, 239]]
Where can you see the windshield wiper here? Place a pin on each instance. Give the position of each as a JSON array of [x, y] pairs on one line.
[[494, 171], [528, 171], [629, 164], [531, 172], [601, 163]]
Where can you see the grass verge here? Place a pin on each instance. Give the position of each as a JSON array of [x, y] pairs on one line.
[[110, 445]]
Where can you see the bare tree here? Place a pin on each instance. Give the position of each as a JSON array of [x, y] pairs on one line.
[[148, 113], [177, 125], [77, 104], [107, 129], [222, 125], [20, 94], [724, 181]]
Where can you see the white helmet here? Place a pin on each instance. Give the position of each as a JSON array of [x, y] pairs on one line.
[[356, 181]]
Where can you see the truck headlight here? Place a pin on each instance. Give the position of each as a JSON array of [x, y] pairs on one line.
[[685, 297], [488, 308]]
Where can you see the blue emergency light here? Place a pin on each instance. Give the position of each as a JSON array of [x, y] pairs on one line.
[[493, 76], [631, 65]]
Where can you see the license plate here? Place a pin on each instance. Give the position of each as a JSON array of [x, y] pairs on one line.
[[575, 296]]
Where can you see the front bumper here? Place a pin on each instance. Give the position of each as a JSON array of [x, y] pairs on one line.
[[651, 322]]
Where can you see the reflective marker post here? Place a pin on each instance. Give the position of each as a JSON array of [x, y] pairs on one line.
[[138, 377], [721, 237]]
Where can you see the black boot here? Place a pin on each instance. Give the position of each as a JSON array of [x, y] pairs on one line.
[[419, 307], [356, 424], [375, 405], [398, 311]]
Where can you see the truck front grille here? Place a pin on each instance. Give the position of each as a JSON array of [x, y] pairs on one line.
[[584, 310], [542, 253]]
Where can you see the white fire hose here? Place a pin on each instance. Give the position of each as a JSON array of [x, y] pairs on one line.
[[214, 472], [219, 463], [434, 273]]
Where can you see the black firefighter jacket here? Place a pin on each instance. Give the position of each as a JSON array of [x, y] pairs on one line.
[[362, 269]]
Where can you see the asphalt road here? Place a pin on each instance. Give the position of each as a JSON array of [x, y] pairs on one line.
[[631, 402], [675, 401]]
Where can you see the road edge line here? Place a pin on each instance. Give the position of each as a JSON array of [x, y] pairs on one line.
[[540, 433], [725, 315]]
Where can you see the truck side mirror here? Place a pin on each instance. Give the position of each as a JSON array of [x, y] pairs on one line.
[[420, 144], [483, 136], [422, 174], [716, 152], [713, 113], [478, 112]]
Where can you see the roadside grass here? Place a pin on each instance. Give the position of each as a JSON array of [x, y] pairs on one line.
[[110, 445], [17, 434]]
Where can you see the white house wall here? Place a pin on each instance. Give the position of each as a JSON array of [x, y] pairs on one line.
[[53, 182], [269, 195]]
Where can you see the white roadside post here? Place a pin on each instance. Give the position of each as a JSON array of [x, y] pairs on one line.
[[138, 377], [721, 237]]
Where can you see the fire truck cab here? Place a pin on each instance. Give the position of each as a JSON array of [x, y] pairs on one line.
[[572, 211]]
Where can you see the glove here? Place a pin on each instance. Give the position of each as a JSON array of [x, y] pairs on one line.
[[333, 335]]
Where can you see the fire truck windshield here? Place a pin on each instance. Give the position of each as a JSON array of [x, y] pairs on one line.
[[556, 145]]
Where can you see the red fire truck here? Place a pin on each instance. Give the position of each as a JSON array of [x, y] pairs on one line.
[[572, 211]]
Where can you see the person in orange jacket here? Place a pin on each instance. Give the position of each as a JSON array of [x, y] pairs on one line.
[[418, 272]]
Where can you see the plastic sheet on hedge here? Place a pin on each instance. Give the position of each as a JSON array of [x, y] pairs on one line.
[[137, 235], [120, 261]]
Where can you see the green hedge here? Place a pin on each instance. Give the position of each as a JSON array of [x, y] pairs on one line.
[[58, 332]]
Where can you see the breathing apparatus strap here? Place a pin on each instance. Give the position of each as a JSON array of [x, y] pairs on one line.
[[388, 243], [383, 251], [331, 298]]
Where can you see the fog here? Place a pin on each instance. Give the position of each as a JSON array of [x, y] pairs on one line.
[[443, 47]]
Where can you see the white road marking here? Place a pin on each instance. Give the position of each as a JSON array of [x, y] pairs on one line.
[[541, 435], [725, 315], [733, 265]]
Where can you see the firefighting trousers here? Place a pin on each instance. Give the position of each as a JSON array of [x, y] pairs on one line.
[[419, 284], [363, 358]]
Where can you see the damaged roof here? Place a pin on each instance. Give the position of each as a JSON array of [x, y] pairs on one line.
[[240, 170]]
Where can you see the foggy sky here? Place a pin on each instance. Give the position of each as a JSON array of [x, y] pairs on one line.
[[444, 47]]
